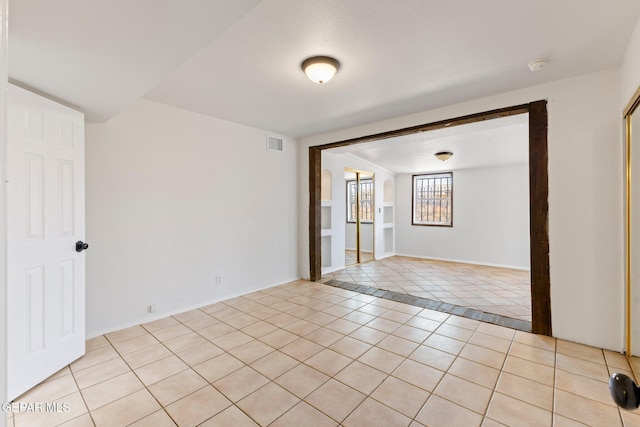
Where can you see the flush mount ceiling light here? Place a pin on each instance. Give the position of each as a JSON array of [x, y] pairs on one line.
[[443, 155], [538, 64], [320, 69]]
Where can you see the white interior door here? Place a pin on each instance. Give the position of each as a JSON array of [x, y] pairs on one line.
[[45, 218]]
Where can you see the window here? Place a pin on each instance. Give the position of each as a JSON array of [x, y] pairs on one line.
[[433, 199], [366, 201]]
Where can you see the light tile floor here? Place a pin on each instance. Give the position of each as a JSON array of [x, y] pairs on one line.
[[308, 354], [502, 291]]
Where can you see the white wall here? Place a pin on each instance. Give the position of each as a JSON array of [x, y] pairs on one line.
[[630, 69], [3, 246], [175, 198], [585, 197], [490, 219]]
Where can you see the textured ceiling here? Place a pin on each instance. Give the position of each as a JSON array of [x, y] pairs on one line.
[[240, 60]]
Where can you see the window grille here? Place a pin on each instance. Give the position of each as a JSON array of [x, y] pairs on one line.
[[433, 199], [366, 201]]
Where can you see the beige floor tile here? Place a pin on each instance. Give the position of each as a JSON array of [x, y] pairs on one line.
[[428, 325], [148, 355], [440, 342], [303, 415], [218, 367], [259, 329], [95, 343], [268, 403], [126, 410], [161, 369], [616, 360], [189, 315], [488, 422], [61, 373], [185, 342], [215, 331], [580, 351], [398, 345], [420, 375], [533, 354], [491, 342], [324, 337], [483, 355], [302, 380], [125, 334], [359, 317], [381, 359], [251, 351], [159, 324], [412, 333], [433, 357], [440, 412], [110, 390], [83, 420], [50, 390], [301, 327], [361, 377], [200, 353], [530, 370], [101, 372], [343, 326], [496, 330], [177, 386], [371, 412], [464, 393], [474, 372], [94, 357], [560, 421], [141, 342], [328, 362], [585, 410], [274, 364], [230, 417], [232, 340], [455, 332], [73, 402], [201, 322], [350, 347], [534, 340], [583, 386], [463, 322], [401, 396], [157, 419], [384, 325], [279, 338], [368, 335], [301, 349], [171, 332], [240, 383], [582, 367], [526, 390], [512, 412], [630, 418], [335, 399], [197, 407]]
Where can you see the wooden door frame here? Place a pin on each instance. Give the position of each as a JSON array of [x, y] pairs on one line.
[[538, 198]]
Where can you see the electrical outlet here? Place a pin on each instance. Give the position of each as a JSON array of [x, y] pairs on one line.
[[218, 280], [151, 308]]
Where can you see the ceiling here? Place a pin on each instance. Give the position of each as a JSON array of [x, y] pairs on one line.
[[488, 143], [239, 60]]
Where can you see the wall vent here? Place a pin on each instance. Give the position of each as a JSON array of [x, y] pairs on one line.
[[274, 143]]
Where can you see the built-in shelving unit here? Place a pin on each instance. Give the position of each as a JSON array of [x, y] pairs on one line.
[[326, 220]]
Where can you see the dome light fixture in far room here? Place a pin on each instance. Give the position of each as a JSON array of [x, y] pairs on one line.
[[443, 155], [320, 69]]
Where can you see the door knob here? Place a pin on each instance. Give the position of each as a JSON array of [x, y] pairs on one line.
[[81, 246]]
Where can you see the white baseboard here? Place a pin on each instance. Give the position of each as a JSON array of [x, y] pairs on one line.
[[464, 261]]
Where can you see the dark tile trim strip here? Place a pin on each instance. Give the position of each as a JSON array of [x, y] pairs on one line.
[[444, 307]]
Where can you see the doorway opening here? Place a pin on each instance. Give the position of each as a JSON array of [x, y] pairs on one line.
[[538, 192]]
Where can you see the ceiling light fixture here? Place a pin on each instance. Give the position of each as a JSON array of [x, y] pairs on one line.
[[443, 155], [320, 69], [538, 64]]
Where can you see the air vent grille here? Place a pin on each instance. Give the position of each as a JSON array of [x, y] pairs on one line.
[[274, 143]]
